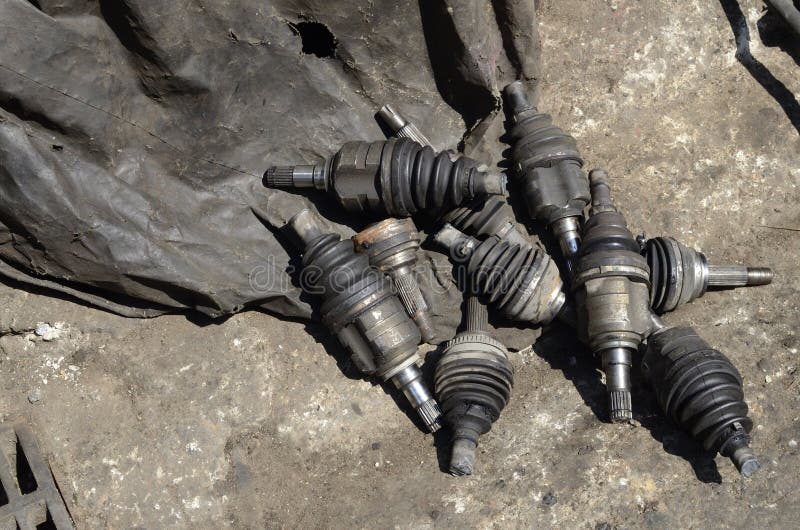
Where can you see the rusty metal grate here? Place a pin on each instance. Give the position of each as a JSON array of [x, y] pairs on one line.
[[29, 497]]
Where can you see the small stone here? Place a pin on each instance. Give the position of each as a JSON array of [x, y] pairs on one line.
[[602, 526], [375, 446], [549, 499], [35, 395], [42, 328], [47, 332], [793, 444], [765, 365]]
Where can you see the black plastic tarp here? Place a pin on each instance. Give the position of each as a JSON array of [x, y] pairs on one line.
[[133, 134]]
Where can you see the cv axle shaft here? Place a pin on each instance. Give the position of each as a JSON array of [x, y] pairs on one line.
[[358, 305], [396, 177], [680, 274], [473, 382]]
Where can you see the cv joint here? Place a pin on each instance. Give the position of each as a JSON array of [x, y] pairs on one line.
[[473, 383], [680, 274], [396, 177], [520, 281], [392, 246], [548, 165], [701, 391], [358, 305], [612, 289]]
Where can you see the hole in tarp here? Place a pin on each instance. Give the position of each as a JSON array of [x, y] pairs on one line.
[[317, 38], [25, 478]]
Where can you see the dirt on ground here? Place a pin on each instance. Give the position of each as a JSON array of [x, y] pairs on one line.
[[256, 422]]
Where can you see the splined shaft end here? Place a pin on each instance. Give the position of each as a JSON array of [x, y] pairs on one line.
[[400, 126], [680, 274], [617, 367], [305, 176], [409, 381], [392, 246]]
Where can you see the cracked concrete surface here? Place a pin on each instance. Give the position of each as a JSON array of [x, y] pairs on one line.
[[256, 422]]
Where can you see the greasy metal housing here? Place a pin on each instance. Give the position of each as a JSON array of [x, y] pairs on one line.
[[392, 247], [701, 391], [612, 293], [680, 274], [473, 383], [520, 281], [358, 305], [398, 177], [548, 165]]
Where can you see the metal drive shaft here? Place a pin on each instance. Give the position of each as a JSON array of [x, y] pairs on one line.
[[400, 126], [738, 276], [396, 177]]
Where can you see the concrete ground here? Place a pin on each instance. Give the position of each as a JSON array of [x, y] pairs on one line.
[[251, 422]]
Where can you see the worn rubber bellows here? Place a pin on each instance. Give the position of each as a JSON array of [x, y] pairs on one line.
[[701, 391], [485, 217], [422, 180], [473, 382], [520, 281], [660, 286]]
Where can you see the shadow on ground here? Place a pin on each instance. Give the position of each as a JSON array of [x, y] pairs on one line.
[[774, 87]]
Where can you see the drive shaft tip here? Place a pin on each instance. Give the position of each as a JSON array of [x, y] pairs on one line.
[[462, 459], [759, 275], [279, 177], [516, 98], [619, 406], [431, 415], [745, 461]]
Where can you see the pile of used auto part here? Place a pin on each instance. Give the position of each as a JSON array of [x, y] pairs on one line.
[[609, 285]]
